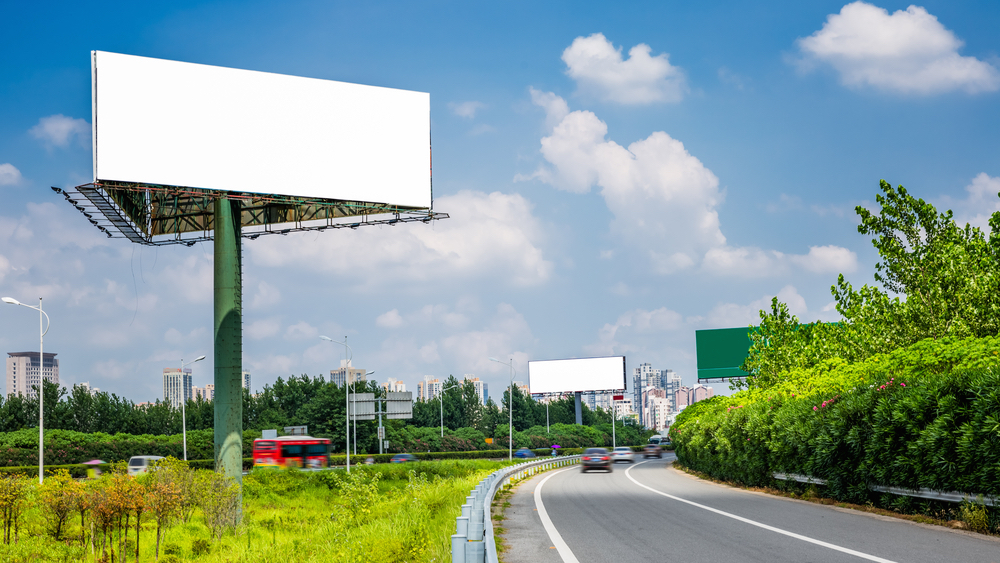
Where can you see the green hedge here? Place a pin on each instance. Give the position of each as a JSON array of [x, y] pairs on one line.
[[923, 416]]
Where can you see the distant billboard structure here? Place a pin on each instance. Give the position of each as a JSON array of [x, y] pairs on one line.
[[721, 352], [577, 375], [186, 153]]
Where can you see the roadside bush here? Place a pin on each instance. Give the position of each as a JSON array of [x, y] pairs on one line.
[[921, 416]]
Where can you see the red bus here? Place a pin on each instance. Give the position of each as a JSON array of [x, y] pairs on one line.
[[302, 452]]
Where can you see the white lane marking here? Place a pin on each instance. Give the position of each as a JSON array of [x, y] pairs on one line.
[[564, 551], [760, 525]]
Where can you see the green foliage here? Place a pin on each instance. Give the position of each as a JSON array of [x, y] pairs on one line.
[[938, 280], [920, 416]]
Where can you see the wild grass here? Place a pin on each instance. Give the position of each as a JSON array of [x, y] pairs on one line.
[[385, 513]]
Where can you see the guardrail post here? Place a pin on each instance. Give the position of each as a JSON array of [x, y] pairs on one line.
[[475, 552], [458, 542]]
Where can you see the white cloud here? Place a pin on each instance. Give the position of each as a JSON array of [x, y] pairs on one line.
[[598, 68], [978, 205], [266, 296], [263, 328], [827, 260], [9, 175], [662, 197], [466, 109], [59, 131], [556, 108], [301, 331], [389, 319], [488, 235], [909, 52]]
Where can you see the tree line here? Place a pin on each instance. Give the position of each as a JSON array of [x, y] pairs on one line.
[[301, 401]]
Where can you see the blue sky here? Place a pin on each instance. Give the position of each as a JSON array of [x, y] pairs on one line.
[[617, 177]]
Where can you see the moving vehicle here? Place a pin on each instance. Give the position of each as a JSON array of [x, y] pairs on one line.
[[658, 440], [302, 452], [623, 453], [652, 450], [139, 464], [524, 453], [403, 458], [595, 458]]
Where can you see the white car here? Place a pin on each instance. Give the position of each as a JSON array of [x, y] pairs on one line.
[[140, 463], [622, 453]]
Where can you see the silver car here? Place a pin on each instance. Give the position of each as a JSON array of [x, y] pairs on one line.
[[623, 453], [138, 464]]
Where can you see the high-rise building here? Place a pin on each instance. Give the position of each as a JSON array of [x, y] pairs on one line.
[[206, 393], [482, 390], [87, 387], [246, 381], [177, 386], [24, 373], [690, 395], [348, 373], [393, 385], [659, 413], [623, 408], [429, 388]]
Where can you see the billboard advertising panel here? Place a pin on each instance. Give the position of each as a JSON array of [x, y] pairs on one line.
[[190, 125], [579, 374]]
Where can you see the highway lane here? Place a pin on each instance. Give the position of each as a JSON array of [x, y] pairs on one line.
[[610, 517]]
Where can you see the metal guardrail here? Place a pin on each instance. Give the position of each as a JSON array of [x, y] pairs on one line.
[[473, 540], [931, 494]]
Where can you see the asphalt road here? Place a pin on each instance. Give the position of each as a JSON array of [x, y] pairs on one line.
[[651, 512]]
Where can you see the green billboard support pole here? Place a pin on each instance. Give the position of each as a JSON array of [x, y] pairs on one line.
[[228, 340]]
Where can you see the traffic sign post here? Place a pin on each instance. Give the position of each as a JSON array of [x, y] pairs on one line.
[[395, 405]]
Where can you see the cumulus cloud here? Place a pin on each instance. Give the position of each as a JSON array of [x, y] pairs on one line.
[[389, 319], [9, 175], [488, 235], [662, 197], [266, 296], [828, 260], [908, 52], [598, 69], [466, 109], [301, 331], [979, 204], [263, 328], [59, 131]]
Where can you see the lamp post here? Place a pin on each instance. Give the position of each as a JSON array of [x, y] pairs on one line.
[[441, 403], [184, 428], [347, 414], [41, 377], [510, 407]]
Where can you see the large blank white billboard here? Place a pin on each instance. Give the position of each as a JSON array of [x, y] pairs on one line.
[[182, 124], [580, 374]]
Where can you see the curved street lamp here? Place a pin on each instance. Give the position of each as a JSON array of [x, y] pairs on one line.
[[41, 377], [510, 407], [347, 406], [184, 427]]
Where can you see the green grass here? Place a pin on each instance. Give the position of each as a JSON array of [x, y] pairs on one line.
[[382, 513]]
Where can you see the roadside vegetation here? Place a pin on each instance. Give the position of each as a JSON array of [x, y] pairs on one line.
[[403, 512], [903, 392]]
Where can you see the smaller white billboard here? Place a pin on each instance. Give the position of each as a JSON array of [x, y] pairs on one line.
[[578, 374]]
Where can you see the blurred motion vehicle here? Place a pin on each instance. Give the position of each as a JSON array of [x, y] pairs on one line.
[[302, 452], [595, 458], [524, 453], [403, 458], [138, 464], [652, 450], [622, 453]]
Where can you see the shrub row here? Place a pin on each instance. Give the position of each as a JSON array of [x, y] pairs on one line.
[[923, 416]]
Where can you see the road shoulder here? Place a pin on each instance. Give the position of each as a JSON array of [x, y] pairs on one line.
[[524, 537]]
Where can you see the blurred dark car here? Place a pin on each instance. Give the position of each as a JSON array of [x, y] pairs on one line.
[[652, 450], [595, 458], [403, 458], [524, 453]]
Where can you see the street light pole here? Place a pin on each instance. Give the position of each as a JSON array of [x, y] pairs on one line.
[[41, 378], [510, 407], [347, 404], [184, 432]]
